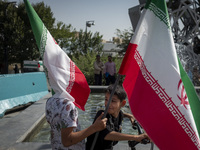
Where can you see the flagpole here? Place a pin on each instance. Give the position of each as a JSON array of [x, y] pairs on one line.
[[152, 145], [106, 110]]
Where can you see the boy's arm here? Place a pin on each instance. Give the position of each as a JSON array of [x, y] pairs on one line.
[[130, 116], [70, 138], [117, 136]]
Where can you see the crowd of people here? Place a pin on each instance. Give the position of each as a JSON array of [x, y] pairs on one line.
[[107, 70]]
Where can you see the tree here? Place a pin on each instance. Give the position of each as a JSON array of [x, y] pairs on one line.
[[83, 42], [81, 47], [83, 50], [63, 34], [7, 13], [123, 39], [17, 34], [85, 64]]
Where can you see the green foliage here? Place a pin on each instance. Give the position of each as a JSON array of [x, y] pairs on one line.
[[45, 14], [8, 22], [85, 64], [63, 34], [122, 41], [16, 33], [85, 42], [17, 36], [125, 36]]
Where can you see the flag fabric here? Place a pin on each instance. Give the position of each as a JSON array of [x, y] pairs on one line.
[[65, 78], [161, 96]]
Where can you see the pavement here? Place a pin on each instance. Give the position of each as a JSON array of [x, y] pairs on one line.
[[17, 126]]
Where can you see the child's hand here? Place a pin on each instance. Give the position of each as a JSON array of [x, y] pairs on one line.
[[140, 137], [99, 123], [132, 119]]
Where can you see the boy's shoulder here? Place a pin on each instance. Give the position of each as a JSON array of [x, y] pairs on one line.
[[121, 114]]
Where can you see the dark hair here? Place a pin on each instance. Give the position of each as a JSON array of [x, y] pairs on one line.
[[119, 92]]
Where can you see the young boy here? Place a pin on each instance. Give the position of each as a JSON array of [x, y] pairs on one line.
[[110, 136]]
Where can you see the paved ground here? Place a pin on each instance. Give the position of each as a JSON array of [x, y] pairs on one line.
[[15, 127]]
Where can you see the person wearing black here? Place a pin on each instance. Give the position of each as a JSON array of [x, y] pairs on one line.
[[16, 69], [110, 136]]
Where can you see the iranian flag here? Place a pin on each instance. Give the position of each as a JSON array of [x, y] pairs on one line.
[[65, 78], [161, 96]]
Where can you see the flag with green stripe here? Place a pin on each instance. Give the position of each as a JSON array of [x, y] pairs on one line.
[[65, 78], [161, 95]]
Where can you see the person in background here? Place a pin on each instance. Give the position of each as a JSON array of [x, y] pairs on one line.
[[98, 68], [110, 71], [16, 69]]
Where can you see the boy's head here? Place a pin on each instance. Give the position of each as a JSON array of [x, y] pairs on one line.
[[119, 92], [118, 99]]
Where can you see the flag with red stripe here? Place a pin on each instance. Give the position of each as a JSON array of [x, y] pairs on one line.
[[65, 78], [161, 96]]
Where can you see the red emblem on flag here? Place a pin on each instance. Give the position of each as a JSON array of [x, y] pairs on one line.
[[183, 96]]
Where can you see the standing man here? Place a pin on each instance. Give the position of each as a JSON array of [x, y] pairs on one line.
[[98, 68], [16, 69], [110, 71]]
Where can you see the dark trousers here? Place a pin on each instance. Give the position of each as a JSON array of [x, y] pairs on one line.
[[110, 79], [98, 79]]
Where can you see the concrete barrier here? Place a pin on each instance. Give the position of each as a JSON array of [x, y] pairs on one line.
[[19, 89], [98, 88]]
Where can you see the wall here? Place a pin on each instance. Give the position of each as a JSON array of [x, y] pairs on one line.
[[19, 89]]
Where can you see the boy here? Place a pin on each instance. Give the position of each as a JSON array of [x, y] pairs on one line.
[[111, 134]]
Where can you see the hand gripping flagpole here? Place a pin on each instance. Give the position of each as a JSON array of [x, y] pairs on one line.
[[106, 110]]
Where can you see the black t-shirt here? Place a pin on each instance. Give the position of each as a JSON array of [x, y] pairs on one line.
[[113, 124]]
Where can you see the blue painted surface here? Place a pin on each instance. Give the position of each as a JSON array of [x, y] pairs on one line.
[[18, 89]]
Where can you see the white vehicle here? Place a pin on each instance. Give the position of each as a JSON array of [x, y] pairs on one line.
[[33, 66]]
